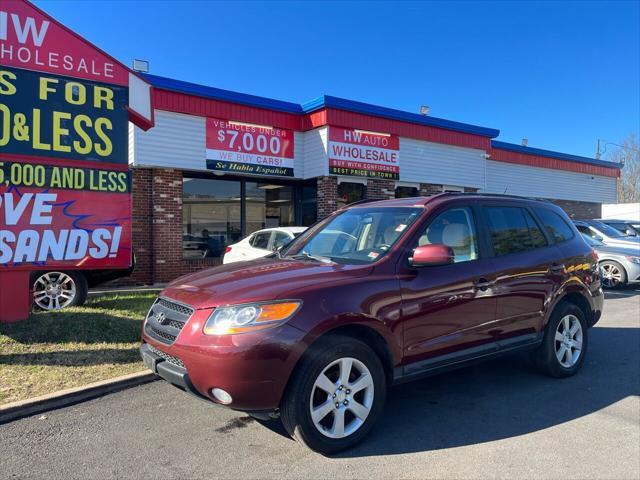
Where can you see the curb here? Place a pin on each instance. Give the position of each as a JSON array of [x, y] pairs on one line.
[[64, 398]]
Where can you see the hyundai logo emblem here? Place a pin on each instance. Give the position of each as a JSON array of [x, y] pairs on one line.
[[161, 318]]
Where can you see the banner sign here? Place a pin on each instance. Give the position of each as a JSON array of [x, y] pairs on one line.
[[60, 229], [363, 154], [65, 185], [54, 116], [32, 41], [248, 149]]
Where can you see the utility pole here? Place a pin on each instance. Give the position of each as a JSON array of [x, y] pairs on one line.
[[598, 151]]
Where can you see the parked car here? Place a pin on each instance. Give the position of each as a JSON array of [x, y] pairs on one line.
[[618, 266], [316, 333], [629, 228], [260, 243], [606, 234], [57, 289]]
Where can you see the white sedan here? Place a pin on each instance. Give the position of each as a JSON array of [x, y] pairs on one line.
[[260, 243]]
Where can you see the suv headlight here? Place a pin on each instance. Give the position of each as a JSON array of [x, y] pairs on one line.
[[249, 317]]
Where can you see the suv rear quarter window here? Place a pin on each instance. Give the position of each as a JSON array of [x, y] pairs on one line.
[[556, 227]]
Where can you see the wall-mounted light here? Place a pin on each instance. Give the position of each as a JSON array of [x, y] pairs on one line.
[[141, 66], [243, 124], [367, 132]]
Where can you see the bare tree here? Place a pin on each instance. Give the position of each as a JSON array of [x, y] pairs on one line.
[[629, 182]]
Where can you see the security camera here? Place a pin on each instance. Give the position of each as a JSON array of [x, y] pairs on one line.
[[486, 156]]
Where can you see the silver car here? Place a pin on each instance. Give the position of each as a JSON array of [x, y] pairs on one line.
[[618, 266], [608, 235]]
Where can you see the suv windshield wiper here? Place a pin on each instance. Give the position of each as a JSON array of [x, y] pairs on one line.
[[309, 256]]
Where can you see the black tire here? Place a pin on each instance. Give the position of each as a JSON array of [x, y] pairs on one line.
[[620, 268], [545, 356], [82, 289], [295, 408]]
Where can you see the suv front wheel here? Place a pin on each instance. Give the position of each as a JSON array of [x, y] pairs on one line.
[[336, 396]]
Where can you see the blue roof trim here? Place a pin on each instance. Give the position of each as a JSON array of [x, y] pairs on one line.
[[512, 147], [324, 101], [220, 94], [391, 113]]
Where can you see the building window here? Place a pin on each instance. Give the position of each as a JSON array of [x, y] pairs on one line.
[[211, 212], [452, 189], [406, 192], [217, 213], [349, 192]]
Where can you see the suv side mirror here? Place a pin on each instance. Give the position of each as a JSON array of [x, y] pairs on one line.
[[631, 233], [598, 238], [432, 255]]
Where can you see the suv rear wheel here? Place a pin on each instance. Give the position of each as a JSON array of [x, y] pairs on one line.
[[613, 274], [336, 396], [565, 342]]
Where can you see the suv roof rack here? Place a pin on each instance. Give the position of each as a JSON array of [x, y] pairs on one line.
[[360, 202], [499, 195]]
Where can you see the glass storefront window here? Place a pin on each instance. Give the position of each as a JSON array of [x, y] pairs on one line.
[[217, 212], [350, 192], [406, 192], [210, 216], [269, 205]]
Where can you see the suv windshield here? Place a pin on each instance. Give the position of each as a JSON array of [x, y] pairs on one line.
[[358, 235]]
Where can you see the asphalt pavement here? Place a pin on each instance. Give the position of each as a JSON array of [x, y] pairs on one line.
[[494, 420]]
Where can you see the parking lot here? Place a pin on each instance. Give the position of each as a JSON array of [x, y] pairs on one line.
[[493, 420]]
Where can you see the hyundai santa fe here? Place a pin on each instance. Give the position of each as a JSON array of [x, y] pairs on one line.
[[377, 294]]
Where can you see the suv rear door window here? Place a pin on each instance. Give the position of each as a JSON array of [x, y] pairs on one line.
[[513, 230], [556, 226]]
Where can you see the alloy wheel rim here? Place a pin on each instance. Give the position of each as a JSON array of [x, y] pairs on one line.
[[341, 398], [611, 275], [54, 291], [568, 341]]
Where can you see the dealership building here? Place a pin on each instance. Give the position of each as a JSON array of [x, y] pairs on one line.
[[219, 165]]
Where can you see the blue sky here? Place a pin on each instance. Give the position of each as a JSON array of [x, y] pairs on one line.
[[561, 74]]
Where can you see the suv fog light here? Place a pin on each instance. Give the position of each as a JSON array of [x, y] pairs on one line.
[[221, 395]]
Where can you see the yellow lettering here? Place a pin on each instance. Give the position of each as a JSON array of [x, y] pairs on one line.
[[71, 89], [102, 95], [84, 147], [6, 124], [105, 149], [45, 88], [59, 131], [37, 144], [6, 87]]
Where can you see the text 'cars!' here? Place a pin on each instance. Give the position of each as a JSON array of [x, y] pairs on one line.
[[618, 266], [261, 243], [377, 293]]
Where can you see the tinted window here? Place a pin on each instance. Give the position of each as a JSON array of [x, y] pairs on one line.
[[555, 225], [454, 228], [280, 239], [534, 230], [512, 230], [607, 230], [261, 240]]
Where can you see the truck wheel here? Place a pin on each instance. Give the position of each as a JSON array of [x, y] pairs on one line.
[[565, 342], [57, 290], [336, 395]]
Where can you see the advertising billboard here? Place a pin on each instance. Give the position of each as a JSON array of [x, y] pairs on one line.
[[238, 147], [359, 153]]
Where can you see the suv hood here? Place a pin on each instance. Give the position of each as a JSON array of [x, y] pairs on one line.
[[257, 280]]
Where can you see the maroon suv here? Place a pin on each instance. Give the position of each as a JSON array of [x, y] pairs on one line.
[[376, 294]]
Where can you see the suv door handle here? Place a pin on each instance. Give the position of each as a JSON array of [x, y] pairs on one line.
[[483, 284], [557, 268]]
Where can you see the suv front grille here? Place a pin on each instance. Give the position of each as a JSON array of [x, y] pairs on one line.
[[166, 319], [169, 358]]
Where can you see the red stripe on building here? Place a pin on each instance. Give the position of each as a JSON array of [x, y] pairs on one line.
[[552, 163]]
